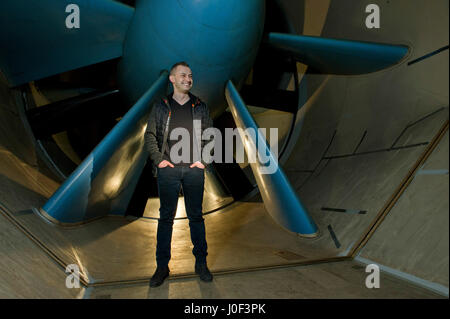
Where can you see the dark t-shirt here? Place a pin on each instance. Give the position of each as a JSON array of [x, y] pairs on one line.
[[181, 116]]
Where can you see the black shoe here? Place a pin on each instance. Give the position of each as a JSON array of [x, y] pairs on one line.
[[203, 271], [160, 274]]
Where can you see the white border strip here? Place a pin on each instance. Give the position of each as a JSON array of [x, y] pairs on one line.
[[438, 288]]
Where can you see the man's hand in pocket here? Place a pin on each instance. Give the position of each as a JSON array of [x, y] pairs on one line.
[[165, 163], [197, 164]]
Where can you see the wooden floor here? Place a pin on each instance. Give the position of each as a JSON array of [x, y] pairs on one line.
[[336, 280], [26, 271], [113, 249], [113, 252]]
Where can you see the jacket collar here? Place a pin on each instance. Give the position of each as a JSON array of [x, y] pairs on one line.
[[195, 99]]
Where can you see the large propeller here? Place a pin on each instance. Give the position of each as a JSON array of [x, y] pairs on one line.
[[101, 39]]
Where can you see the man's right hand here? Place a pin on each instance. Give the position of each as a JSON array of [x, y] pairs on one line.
[[165, 163]]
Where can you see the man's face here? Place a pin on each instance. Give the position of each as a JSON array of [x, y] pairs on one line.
[[182, 79]]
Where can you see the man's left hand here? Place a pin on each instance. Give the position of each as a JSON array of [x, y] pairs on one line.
[[197, 164]]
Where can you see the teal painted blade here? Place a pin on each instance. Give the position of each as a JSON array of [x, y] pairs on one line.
[[334, 56], [36, 42]]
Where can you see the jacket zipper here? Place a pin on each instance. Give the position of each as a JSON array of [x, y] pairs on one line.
[[166, 130]]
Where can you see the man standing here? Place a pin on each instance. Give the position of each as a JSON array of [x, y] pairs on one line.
[[179, 111]]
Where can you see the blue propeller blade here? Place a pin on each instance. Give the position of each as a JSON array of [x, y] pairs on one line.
[[279, 198], [105, 181], [37, 43], [333, 56]]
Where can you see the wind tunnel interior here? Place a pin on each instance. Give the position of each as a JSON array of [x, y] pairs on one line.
[[70, 113], [366, 154]]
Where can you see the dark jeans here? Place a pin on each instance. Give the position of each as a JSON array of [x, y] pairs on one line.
[[169, 182]]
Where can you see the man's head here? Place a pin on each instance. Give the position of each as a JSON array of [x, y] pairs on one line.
[[181, 77]]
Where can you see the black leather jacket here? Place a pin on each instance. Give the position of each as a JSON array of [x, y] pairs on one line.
[[157, 130]]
